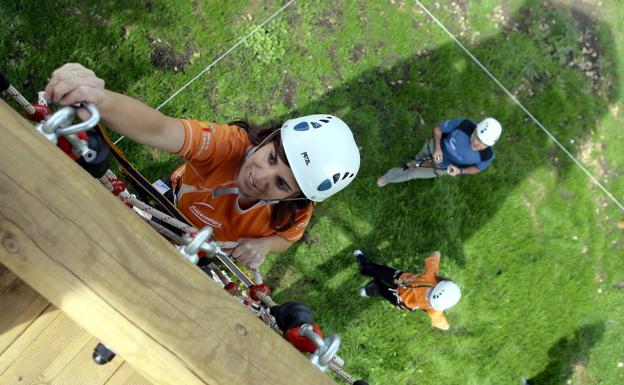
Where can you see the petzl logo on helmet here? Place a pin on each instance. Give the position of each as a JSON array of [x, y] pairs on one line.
[[306, 158]]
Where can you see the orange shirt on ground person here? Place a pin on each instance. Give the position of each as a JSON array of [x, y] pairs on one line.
[[413, 292], [214, 154]]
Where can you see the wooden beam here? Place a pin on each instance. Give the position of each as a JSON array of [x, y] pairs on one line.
[[88, 254]]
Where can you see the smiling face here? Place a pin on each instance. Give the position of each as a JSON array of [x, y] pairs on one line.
[[265, 176]]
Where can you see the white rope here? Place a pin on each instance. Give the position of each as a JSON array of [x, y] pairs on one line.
[[220, 58], [551, 136]]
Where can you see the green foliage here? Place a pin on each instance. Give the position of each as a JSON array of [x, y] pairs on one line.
[[266, 45], [533, 244]]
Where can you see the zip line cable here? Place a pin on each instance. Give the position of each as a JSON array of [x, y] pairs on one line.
[[551, 136], [220, 58]]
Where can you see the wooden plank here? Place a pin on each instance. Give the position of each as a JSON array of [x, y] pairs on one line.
[[57, 363], [83, 250], [20, 305], [125, 375], [26, 338], [37, 356], [6, 277], [81, 370]]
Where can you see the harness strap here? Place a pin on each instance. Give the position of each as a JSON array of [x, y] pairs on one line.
[[142, 182]]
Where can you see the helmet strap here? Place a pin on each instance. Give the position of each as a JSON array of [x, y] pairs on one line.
[[236, 191], [253, 149]]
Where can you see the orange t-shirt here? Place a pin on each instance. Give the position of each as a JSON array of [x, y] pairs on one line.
[[414, 294], [214, 154]]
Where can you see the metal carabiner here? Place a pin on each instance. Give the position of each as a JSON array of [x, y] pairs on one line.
[[88, 124], [60, 123]]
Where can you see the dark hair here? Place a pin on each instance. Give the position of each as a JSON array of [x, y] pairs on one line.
[[284, 213]]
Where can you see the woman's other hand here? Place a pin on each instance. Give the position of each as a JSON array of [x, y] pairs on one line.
[[252, 251]]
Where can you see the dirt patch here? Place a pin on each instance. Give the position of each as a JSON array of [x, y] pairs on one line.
[[165, 57], [197, 11], [327, 84], [460, 9], [553, 158], [580, 374], [538, 192], [331, 52], [532, 212], [358, 52], [600, 163], [390, 61], [310, 239], [590, 47], [362, 13], [330, 20], [289, 91], [618, 285], [85, 16]]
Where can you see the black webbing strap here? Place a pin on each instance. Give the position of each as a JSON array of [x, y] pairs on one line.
[[142, 183], [169, 207]]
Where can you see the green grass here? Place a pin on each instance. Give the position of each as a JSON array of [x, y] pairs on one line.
[[531, 241]]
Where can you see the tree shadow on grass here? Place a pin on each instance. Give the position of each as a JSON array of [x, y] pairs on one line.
[[569, 356], [392, 119]]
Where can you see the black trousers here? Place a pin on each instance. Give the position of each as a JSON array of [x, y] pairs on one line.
[[384, 277]]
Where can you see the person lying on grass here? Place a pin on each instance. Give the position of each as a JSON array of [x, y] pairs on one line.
[[458, 147], [407, 291], [255, 186]]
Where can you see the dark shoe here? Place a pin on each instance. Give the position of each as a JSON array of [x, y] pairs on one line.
[[370, 290], [360, 259]]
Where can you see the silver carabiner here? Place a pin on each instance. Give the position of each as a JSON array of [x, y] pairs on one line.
[[88, 124], [60, 123], [61, 118]]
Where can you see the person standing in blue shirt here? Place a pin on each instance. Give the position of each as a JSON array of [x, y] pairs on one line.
[[459, 147]]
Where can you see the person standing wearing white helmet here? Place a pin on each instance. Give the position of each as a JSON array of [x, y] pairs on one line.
[[254, 187], [458, 147], [407, 291]]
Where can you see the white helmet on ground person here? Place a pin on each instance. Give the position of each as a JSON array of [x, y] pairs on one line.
[[489, 130], [444, 295], [322, 154]]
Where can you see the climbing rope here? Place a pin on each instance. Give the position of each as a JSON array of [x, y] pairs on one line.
[[241, 41], [522, 107]]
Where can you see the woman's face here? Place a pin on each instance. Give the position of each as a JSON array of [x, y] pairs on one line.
[[265, 176]]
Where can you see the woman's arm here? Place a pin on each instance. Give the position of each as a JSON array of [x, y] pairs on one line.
[[73, 83]]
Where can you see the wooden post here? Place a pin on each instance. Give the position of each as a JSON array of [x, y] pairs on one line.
[[88, 254]]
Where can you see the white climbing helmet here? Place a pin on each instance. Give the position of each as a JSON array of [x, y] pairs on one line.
[[489, 130], [444, 295], [322, 154]]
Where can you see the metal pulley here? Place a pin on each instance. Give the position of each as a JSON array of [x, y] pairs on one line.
[[326, 347], [200, 242]]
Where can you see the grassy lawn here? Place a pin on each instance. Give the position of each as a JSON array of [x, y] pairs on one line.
[[532, 242]]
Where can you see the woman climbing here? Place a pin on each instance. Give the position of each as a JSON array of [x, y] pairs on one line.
[[253, 186]]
